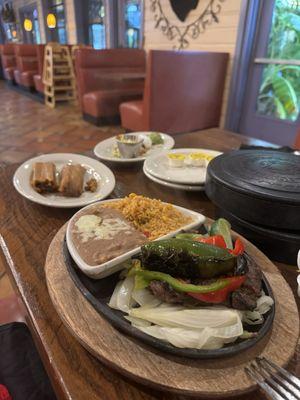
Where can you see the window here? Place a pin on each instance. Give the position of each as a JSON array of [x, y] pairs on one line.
[[109, 23], [96, 24], [279, 94], [36, 27], [59, 33], [132, 23], [11, 32], [30, 12]]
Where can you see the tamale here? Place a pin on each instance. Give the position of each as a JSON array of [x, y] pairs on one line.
[[43, 177], [71, 180], [91, 185]]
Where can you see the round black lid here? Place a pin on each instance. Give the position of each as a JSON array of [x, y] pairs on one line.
[[262, 173]]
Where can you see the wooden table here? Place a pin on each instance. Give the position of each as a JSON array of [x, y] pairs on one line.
[[27, 230]]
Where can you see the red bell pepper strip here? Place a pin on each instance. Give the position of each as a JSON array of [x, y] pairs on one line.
[[239, 248], [216, 240], [220, 296]]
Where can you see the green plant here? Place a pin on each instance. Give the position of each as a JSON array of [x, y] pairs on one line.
[[279, 93]]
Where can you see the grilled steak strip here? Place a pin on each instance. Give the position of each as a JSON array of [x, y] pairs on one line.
[[244, 298]]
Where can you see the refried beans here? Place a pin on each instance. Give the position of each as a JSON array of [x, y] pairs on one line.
[[101, 234]]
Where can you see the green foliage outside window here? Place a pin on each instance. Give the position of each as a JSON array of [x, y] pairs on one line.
[[279, 94]]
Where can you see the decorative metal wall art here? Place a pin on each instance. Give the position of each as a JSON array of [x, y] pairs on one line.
[[182, 7], [183, 34]]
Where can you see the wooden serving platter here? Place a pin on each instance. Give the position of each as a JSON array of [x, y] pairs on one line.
[[202, 378]]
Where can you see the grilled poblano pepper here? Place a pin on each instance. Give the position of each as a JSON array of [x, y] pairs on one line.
[[144, 277], [183, 258]]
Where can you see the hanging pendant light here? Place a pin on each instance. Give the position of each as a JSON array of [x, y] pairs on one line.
[[27, 25], [51, 21]]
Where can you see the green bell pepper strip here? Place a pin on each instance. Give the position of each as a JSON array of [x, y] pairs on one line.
[[144, 277], [189, 236]]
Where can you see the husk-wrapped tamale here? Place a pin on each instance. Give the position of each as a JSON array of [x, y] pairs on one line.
[[43, 177], [71, 180]]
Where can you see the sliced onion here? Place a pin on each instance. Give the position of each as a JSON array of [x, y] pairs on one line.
[[264, 303], [207, 338], [187, 318], [143, 297], [137, 322], [113, 300], [255, 317]]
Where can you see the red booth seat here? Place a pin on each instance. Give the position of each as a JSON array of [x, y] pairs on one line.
[[183, 92], [38, 78], [8, 61], [100, 93], [27, 64]]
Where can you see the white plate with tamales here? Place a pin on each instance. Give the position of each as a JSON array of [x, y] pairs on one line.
[[64, 180]]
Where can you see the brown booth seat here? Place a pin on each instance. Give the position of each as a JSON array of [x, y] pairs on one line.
[[27, 64], [100, 88], [38, 78], [8, 61], [183, 92]]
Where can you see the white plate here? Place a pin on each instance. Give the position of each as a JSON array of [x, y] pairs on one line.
[[188, 188], [104, 149], [94, 169], [108, 268], [157, 165]]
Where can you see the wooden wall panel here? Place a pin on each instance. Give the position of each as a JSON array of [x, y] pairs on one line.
[[217, 37]]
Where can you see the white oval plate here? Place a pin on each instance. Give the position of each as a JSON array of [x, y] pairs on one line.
[[114, 265], [94, 169], [188, 188], [157, 165], [104, 149]]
